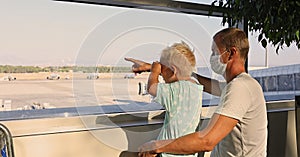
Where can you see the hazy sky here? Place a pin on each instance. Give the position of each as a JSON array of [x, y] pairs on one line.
[[44, 32]]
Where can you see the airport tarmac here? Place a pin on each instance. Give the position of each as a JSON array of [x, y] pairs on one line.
[[72, 93]]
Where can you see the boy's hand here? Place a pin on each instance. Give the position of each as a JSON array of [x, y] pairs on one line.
[[153, 78], [156, 68], [138, 65]]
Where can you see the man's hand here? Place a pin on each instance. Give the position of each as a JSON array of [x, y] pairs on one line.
[[147, 154], [153, 148], [138, 65], [147, 149]]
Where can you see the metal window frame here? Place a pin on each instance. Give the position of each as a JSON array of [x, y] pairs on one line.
[[297, 119], [159, 5]]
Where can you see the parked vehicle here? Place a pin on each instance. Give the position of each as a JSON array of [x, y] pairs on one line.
[[53, 76], [67, 77], [9, 78], [93, 76], [129, 76]]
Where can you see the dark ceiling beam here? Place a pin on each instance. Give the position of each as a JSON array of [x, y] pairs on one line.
[[160, 5]]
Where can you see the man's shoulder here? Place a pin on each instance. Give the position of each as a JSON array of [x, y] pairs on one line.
[[244, 79], [244, 84]]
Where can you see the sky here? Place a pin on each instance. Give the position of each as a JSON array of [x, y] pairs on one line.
[[51, 33]]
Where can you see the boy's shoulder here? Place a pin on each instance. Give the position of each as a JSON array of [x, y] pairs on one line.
[[182, 84]]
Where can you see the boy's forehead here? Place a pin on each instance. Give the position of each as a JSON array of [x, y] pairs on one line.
[[163, 65]]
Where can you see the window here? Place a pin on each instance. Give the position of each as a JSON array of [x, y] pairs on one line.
[[297, 81], [61, 55], [278, 74], [285, 82], [269, 83]]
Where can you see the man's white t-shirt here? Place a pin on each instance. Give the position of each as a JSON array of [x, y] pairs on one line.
[[243, 99]]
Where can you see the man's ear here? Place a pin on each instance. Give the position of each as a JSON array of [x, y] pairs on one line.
[[232, 52]]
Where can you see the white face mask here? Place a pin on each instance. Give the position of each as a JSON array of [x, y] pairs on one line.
[[216, 65]]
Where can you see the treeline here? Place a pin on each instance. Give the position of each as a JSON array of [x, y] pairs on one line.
[[84, 69], [101, 69]]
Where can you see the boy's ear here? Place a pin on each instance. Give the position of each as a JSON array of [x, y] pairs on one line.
[[174, 69]]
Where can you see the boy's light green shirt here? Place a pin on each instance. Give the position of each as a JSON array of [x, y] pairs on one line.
[[183, 103]]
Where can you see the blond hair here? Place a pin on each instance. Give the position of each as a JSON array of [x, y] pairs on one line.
[[180, 56]]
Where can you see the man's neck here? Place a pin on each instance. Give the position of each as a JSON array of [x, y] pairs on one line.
[[233, 72]]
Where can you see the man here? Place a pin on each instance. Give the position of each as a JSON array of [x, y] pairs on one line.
[[238, 127]]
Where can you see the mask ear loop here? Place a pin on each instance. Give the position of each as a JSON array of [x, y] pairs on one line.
[[224, 52]]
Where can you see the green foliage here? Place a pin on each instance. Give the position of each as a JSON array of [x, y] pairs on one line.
[[101, 69], [277, 21], [19, 69]]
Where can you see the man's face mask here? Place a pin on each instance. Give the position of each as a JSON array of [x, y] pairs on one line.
[[216, 65]]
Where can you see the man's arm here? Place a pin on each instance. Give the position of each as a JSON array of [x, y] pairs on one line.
[[210, 85], [205, 140], [153, 78]]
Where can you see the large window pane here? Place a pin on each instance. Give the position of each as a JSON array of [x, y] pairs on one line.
[[278, 72], [297, 81], [270, 83], [57, 55], [285, 82]]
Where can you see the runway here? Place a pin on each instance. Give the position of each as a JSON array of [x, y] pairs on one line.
[[71, 93]]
